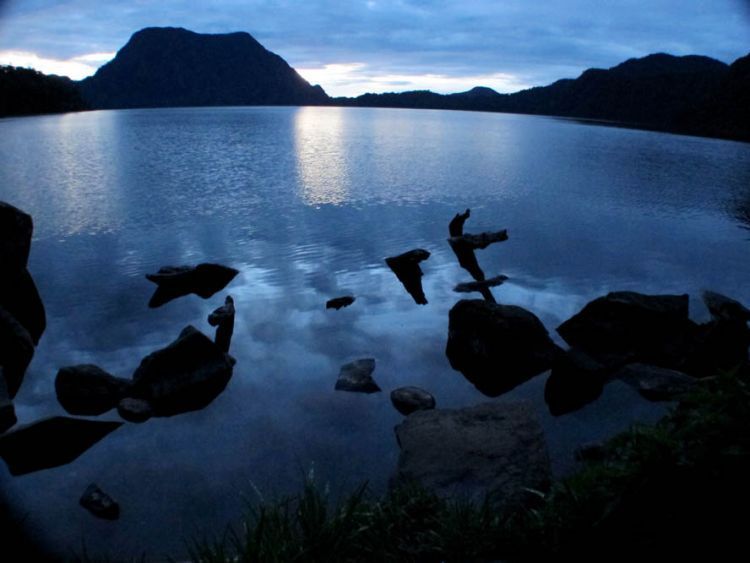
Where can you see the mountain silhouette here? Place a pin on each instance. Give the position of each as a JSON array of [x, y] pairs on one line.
[[690, 94], [168, 67], [27, 92]]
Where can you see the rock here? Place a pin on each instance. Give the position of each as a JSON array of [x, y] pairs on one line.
[[407, 270], [7, 410], [723, 308], [410, 399], [339, 302], [575, 381], [495, 449], [456, 226], [88, 390], [655, 383], [497, 347], [480, 286], [19, 296], [16, 351], [186, 375], [134, 410], [357, 376], [99, 503], [50, 442], [480, 241], [466, 257], [223, 319], [176, 281], [625, 326], [16, 228]]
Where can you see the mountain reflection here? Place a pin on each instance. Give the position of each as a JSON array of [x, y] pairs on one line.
[[321, 155]]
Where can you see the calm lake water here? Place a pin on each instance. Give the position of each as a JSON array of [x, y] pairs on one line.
[[306, 203]]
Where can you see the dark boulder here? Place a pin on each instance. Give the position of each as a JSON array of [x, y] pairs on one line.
[[655, 383], [99, 503], [339, 302], [7, 410], [357, 377], [625, 326], [495, 449], [186, 375], [723, 308], [223, 319], [16, 351], [16, 228], [717, 346], [176, 281], [575, 381], [88, 390], [134, 410], [410, 399], [19, 296], [497, 347], [407, 270], [50, 442]]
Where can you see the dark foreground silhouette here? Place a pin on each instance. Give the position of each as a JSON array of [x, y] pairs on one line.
[[203, 280]]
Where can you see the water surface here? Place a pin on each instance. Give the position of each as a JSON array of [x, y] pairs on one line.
[[306, 203]]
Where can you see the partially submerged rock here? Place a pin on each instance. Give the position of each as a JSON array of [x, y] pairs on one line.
[[186, 375], [176, 281], [655, 383], [16, 228], [625, 326], [357, 377], [88, 390], [497, 347], [99, 503], [16, 351], [480, 286], [480, 241], [723, 308], [50, 442], [223, 319], [7, 410], [495, 449], [575, 381], [135, 410], [407, 270], [20, 297], [410, 399], [339, 302]]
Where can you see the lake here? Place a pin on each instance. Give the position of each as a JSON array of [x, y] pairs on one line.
[[307, 203]]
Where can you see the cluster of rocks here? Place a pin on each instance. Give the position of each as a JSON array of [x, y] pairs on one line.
[[186, 375], [22, 315]]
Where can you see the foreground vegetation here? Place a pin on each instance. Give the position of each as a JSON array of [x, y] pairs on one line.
[[676, 489]]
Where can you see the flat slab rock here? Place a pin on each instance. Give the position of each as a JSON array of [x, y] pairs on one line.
[[50, 442], [495, 449]]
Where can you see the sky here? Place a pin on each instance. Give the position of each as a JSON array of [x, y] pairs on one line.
[[350, 47]]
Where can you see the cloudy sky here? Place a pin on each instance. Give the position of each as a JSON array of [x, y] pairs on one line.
[[356, 46]]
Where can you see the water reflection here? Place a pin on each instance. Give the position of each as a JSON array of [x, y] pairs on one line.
[[322, 157]]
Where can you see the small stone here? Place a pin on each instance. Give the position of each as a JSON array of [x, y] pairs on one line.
[[339, 302], [99, 503], [88, 390], [134, 410], [410, 399], [357, 377]]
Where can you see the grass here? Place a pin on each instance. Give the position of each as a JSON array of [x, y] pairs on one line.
[[677, 489]]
